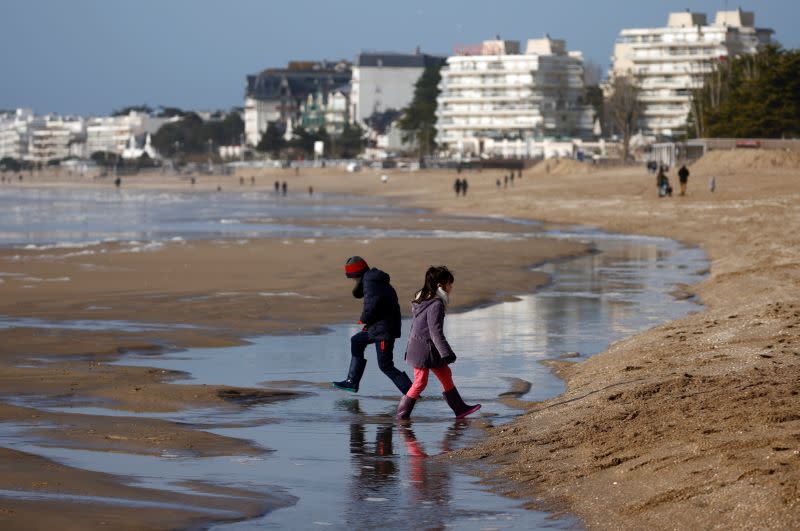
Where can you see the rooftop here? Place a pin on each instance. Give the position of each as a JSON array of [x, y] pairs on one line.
[[397, 60]]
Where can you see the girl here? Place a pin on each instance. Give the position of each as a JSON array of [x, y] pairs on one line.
[[428, 349]]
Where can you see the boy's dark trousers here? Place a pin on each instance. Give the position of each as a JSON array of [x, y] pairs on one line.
[[385, 350]]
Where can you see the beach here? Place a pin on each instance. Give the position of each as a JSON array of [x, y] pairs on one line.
[[71, 309], [693, 423]]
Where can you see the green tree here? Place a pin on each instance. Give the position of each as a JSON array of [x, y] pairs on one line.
[[191, 135], [303, 140], [169, 112], [105, 158], [10, 164], [351, 142], [144, 109], [750, 96], [419, 118], [323, 136], [272, 140], [593, 95]]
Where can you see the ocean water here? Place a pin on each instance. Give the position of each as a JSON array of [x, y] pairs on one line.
[[79, 219]]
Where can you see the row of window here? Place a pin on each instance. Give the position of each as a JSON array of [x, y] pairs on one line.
[[692, 36], [482, 80]]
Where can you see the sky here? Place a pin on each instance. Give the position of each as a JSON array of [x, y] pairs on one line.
[[94, 56]]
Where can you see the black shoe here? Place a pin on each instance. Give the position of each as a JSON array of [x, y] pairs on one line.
[[354, 375], [346, 385]]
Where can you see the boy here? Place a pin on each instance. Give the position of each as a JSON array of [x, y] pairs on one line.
[[381, 320]]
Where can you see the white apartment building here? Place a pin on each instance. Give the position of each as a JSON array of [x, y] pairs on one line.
[[668, 63], [112, 133], [385, 81], [14, 128], [24, 136], [54, 138], [497, 101]]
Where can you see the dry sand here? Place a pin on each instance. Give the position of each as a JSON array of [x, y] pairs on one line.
[[695, 423]]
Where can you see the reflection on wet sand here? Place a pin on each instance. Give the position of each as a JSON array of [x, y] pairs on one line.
[[383, 472]]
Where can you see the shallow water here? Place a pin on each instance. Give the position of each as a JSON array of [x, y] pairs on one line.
[[79, 219], [342, 455]]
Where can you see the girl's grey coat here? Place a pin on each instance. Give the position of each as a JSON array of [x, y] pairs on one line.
[[427, 346]]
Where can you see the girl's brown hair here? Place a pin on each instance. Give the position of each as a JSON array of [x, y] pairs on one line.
[[435, 276]]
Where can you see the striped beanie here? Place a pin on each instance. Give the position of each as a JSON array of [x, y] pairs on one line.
[[355, 267]]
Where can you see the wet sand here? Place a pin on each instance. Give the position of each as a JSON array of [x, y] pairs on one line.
[[189, 294], [694, 423]]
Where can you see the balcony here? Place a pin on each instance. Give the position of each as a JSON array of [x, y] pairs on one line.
[[649, 112], [492, 71], [664, 98], [497, 113], [488, 98]]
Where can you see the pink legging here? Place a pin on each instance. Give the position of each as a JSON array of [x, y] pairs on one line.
[[444, 374]]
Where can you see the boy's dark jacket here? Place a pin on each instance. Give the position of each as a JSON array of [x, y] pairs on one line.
[[381, 313]]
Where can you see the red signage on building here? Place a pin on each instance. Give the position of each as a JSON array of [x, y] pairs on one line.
[[751, 144], [468, 49]]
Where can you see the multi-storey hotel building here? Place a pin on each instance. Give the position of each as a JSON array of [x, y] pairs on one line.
[[668, 63], [495, 100]]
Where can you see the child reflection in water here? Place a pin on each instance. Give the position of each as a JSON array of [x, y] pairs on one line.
[[379, 475], [429, 478]]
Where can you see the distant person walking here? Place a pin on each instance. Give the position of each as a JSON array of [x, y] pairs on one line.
[[683, 177], [498, 183], [662, 183], [712, 184], [381, 319], [277, 187], [310, 190], [284, 188], [505, 181], [428, 349], [457, 187], [464, 186]]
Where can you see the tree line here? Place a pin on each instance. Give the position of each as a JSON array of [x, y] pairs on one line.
[[750, 96], [346, 145], [191, 135]]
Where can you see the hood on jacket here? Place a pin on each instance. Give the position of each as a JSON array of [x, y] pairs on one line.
[[419, 307], [376, 276]]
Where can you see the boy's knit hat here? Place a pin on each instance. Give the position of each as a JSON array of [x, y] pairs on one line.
[[355, 267]]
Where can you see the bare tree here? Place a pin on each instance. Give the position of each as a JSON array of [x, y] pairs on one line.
[[592, 73], [624, 109]]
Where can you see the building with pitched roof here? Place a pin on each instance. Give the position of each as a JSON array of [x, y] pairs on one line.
[[277, 94]]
